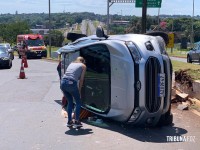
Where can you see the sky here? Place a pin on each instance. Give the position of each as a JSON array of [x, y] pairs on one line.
[[169, 7]]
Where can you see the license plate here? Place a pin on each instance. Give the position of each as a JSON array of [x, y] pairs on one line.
[[161, 85], [39, 55]]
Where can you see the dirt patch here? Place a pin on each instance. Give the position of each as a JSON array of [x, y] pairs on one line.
[[183, 77]]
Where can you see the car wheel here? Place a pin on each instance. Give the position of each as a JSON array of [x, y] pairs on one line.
[[9, 65], [199, 60], [166, 119], [189, 59], [13, 56]]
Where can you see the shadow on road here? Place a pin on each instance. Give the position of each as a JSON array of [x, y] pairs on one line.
[[81, 131], [144, 134], [59, 102]]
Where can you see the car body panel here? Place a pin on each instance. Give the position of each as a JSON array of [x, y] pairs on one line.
[[194, 54], [10, 50], [5, 59], [129, 79]]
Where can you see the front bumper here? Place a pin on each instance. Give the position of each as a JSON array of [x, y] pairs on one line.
[[149, 106], [4, 63], [38, 53]]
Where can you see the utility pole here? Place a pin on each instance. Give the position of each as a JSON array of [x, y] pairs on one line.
[[158, 16], [49, 29], [192, 35], [108, 15], [109, 4], [144, 15]]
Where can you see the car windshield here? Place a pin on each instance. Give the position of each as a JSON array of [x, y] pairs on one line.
[[3, 50], [36, 42], [5, 45]]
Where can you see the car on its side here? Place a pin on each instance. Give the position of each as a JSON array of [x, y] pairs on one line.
[[5, 59], [128, 77], [8, 47], [194, 54]]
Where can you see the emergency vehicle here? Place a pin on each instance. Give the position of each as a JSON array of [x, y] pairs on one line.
[[32, 45]]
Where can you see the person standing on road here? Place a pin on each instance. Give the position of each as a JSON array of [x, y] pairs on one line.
[[75, 72]]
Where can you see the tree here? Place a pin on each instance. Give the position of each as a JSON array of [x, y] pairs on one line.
[[56, 38], [9, 31]]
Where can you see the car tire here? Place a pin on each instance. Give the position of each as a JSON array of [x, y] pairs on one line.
[[166, 119], [189, 59], [199, 60], [9, 65], [13, 57]]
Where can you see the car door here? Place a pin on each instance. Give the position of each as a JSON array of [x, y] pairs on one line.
[[194, 54], [198, 53]]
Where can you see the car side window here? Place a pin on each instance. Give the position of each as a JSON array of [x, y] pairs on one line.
[[96, 87]]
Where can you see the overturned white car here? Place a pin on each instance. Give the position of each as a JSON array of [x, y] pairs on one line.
[[128, 77]]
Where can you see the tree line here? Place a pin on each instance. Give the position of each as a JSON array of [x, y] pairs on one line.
[[13, 24]]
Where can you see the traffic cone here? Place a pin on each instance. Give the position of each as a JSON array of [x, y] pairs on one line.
[[25, 63], [22, 60], [22, 73]]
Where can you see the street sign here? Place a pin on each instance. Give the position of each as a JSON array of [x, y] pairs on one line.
[[150, 3], [171, 40]]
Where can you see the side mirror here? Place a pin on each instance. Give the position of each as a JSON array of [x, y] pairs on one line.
[[15, 48], [100, 32], [10, 50]]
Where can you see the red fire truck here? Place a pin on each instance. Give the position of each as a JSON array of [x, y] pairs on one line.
[[31, 45]]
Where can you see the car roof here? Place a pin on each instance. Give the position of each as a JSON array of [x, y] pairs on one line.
[[82, 42]]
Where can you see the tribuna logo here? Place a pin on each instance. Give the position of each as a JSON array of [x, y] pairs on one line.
[[180, 138]]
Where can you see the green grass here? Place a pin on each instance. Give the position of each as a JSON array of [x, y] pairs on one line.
[[177, 53], [53, 49], [192, 69]]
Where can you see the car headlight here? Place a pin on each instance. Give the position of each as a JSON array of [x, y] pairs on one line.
[[134, 51], [162, 45]]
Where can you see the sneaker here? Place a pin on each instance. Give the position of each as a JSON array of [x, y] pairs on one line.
[[77, 124], [69, 123]]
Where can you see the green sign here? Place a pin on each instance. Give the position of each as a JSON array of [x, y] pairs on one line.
[[150, 3]]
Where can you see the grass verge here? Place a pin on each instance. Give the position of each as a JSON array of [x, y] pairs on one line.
[[192, 69], [177, 53]]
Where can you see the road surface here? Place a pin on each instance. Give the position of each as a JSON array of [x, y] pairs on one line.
[[30, 119], [179, 59]]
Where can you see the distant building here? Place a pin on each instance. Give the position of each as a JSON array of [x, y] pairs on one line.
[[40, 26], [120, 22], [40, 31]]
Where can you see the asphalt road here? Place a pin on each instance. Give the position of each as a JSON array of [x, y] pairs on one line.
[[30, 119], [179, 59]]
